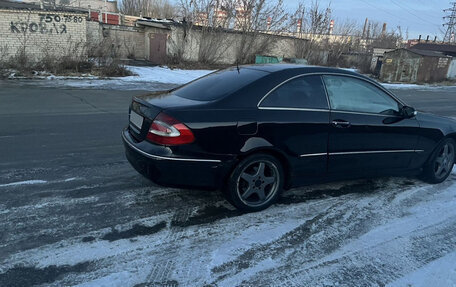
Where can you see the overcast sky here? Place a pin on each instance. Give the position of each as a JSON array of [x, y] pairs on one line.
[[420, 16]]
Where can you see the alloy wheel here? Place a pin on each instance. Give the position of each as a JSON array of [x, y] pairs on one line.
[[258, 183], [444, 161]]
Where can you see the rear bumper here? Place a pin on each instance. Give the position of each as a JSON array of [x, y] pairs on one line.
[[162, 166]]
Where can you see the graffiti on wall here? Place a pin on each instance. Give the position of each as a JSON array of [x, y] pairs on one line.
[[48, 24]]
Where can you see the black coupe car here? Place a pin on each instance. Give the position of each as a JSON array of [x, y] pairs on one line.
[[253, 131]]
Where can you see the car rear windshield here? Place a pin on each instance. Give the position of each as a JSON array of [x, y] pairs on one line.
[[219, 84]]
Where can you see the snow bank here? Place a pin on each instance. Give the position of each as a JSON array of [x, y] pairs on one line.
[[164, 75]]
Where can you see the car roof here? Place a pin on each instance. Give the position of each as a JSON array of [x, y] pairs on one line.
[[298, 69], [274, 74]]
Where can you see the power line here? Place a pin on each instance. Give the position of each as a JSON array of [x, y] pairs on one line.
[[401, 17], [413, 14], [451, 24], [379, 8]]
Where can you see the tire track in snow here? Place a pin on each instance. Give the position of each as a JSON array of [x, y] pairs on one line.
[[162, 272], [377, 263]]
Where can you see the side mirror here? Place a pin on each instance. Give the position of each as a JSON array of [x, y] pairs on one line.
[[408, 112]]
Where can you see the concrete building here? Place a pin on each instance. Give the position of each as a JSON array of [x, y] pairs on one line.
[[444, 48], [414, 66], [377, 59]]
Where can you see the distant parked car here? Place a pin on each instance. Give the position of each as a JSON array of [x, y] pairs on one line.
[[253, 131]]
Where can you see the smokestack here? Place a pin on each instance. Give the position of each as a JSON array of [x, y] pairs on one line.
[[365, 27], [435, 39], [299, 26], [419, 39], [368, 31], [384, 29], [427, 38], [331, 27]]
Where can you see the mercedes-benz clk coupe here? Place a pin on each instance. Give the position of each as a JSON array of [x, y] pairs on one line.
[[253, 131]]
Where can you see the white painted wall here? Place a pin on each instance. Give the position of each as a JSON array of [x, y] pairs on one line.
[[452, 70], [41, 33]]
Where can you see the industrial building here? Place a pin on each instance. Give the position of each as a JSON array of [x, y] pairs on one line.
[[415, 66]]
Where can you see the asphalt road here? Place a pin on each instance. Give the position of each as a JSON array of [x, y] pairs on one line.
[[73, 211]]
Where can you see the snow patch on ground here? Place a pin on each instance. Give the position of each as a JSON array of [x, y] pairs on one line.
[[25, 182], [160, 78], [368, 229], [164, 75], [119, 279], [441, 272], [145, 78], [36, 181], [350, 70], [414, 86]]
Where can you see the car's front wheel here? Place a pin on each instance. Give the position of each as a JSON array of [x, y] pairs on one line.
[[441, 162], [255, 183]]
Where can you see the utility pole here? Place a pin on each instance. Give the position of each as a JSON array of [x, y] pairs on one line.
[[450, 24]]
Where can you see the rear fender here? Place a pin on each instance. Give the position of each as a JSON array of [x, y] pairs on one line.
[[255, 143], [260, 145]]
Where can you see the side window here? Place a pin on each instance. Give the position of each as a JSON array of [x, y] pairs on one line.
[[351, 94], [303, 92]]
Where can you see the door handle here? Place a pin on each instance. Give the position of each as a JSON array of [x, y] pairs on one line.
[[341, 124]]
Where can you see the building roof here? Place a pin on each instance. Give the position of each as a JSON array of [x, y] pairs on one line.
[[16, 5], [424, 53], [427, 53], [445, 48], [156, 23]]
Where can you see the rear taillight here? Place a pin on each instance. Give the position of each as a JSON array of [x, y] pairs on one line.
[[166, 130]]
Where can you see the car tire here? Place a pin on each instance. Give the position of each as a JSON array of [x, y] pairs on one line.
[[441, 162], [255, 183]]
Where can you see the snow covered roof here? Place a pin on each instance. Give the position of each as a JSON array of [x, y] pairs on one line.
[[156, 23]]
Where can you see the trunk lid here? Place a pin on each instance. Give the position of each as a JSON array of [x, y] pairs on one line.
[[168, 99], [145, 108]]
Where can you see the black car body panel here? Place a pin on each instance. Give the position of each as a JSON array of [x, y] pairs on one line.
[[306, 141]]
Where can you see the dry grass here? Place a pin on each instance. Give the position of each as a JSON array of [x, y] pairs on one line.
[[24, 66]]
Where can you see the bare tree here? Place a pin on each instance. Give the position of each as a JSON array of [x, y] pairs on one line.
[[314, 27], [258, 22], [148, 8], [384, 39], [253, 23]]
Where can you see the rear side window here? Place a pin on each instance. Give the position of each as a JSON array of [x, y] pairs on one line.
[[219, 84], [303, 92]]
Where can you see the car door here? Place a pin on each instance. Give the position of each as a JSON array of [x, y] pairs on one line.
[[294, 117], [368, 133]]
